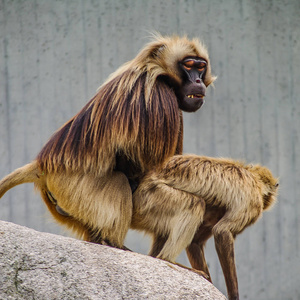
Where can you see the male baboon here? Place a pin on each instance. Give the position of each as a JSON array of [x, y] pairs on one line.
[[87, 170]]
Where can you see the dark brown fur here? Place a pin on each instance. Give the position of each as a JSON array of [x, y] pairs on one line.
[[105, 127]]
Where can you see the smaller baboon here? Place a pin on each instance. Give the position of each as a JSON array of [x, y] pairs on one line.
[[192, 198]]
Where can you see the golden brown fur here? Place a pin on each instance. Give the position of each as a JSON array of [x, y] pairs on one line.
[[191, 198], [98, 200], [135, 111], [132, 124]]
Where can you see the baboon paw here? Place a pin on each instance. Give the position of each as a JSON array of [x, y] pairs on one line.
[[201, 273], [126, 249], [104, 243]]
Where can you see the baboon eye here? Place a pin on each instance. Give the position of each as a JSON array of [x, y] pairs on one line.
[[188, 64], [277, 184], [201, 66]]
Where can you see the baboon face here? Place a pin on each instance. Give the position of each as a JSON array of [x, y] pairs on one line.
[[186, 67], [193, 71]]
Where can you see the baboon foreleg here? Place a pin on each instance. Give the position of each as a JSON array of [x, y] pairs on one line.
[[195, 251], [224, 243]]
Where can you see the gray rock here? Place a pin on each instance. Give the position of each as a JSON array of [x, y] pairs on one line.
[[35, 265]]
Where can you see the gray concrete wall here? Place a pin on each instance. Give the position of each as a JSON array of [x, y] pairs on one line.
[[54, 55]]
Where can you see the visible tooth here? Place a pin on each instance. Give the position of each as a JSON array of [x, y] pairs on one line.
[[195, 96]]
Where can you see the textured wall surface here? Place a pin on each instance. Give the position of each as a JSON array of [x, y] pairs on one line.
[[54, 55]]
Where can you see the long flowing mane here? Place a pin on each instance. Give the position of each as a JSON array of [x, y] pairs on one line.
[[134, 112], [109, 123]]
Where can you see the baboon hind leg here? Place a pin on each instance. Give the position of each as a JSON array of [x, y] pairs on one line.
[[157, 244], [179, 221], [102, 204]]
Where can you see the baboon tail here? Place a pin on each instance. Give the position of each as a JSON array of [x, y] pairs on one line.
[[27, 173]]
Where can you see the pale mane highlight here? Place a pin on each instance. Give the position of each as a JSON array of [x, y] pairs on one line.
[[158, 58]]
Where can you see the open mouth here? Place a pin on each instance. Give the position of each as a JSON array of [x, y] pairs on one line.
[[196, 96]]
